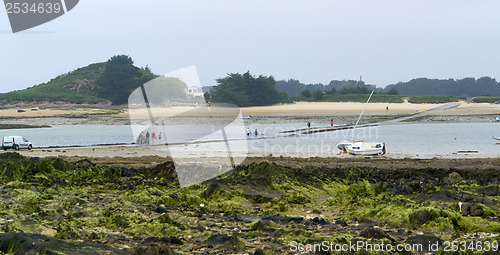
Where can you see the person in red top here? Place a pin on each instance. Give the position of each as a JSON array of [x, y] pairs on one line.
[[153, 137]]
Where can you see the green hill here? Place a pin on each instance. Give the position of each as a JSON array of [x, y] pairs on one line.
[[91, 84]]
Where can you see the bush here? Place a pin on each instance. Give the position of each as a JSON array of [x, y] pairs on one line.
[[486, 99]]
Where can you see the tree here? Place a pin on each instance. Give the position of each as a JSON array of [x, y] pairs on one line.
[[246, 90], [318, 95], [207, 97], [120, 78], [164, 88], [306, 93], [393, 91]]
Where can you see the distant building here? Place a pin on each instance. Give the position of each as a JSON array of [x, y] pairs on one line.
[[194, 92]]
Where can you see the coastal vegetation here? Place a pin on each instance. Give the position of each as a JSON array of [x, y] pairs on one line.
[[466, 87], [113, 81], [247, 90], [85, 207]]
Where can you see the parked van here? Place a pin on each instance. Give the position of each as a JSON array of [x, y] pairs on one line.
[[16, 143]]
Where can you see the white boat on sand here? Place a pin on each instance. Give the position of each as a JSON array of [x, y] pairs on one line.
[[359, 147], [366, 148]]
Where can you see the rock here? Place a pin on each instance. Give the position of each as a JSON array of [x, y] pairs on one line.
[[453, 178], [471, 209], [263, 226], [160, 209], [147, 250], [224, 242], [375, 233], [213, 187], [341, 223], [425, 241], [23, 243], [420, 217], [492, 190], [368, 222], [320, 221], [464, 208], [259, 252], [283, 220]]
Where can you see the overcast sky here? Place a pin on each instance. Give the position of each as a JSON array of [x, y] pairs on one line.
[[312, 41]]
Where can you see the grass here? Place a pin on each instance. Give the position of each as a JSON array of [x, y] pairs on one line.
[[486, 99], [57, 89], [359, 98], [432, 99]]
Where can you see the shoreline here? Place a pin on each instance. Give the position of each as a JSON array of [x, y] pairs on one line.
[[297, 109], [131, 151]]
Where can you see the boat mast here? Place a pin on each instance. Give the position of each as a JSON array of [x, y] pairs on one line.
[[361, 114]]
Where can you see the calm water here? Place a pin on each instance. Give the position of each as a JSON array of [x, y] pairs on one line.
[[414, 139], [421, 139], [74, 135]]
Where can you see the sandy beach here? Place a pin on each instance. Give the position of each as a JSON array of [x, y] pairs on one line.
[[298, 108]]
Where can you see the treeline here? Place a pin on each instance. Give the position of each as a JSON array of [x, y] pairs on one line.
[[114, 80], [467, 87], [246, 90], [295, 88]]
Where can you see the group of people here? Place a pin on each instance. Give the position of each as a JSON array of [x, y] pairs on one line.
[[309, 123], [249, 132], [149, 138]]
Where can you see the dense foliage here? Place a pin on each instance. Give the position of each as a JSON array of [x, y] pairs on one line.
[[247, 90], [120, 78], [338, 97], [295, 88], [467, 87], [100, 82]]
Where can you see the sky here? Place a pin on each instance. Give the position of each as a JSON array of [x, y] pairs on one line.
[[384, 41]]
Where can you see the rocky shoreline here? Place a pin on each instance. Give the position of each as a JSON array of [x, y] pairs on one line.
[[265, 206]]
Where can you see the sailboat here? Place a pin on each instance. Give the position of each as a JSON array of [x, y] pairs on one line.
[[360, 147]]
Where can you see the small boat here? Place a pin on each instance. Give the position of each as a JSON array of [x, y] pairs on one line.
[[366, 148], [358, 147], [497, 119], [497, 139]]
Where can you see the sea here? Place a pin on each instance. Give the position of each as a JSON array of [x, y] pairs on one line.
[[412, 139]]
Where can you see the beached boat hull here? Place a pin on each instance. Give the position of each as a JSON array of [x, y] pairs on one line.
[[362, 148]]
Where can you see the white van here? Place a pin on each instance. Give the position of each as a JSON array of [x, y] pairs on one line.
[[16, 143]]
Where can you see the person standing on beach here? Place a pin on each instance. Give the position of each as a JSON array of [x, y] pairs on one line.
[[147, 137], [153, 137], [248, 132], [256, 133], [159, 137], [308, 124], [139, 139], [331, 123]]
